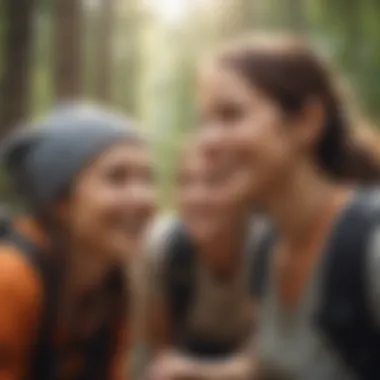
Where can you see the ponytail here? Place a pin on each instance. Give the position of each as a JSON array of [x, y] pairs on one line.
[[361, 162]]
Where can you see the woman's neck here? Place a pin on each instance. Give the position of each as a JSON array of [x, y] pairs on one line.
[[301, 201], [224, 253], [86, 270]]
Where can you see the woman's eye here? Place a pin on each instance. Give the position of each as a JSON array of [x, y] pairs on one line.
[[116, 176], [230, 112]]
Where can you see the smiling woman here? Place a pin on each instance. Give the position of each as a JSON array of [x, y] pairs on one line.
[[85, 175]]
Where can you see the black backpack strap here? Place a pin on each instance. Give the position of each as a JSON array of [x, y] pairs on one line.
[[345, 314], [43, 358], [180, 273]]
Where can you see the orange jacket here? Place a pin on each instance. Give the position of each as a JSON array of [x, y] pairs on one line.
[[21, 305]]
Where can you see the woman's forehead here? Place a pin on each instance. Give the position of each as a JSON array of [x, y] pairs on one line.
[[123, 153], [223, 85]]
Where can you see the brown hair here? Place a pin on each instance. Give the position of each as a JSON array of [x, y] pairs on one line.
[[289, 71]]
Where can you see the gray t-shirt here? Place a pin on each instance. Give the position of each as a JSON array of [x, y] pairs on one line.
[[290, 345], [219, 311]]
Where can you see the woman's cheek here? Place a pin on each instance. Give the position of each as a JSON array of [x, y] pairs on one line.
[[241, 143]]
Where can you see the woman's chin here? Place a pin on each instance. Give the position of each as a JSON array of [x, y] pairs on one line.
[[126, 248]]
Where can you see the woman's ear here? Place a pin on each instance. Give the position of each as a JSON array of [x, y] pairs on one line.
[[310, 122]]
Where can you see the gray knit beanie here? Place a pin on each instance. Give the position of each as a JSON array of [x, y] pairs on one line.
[[42, 160]]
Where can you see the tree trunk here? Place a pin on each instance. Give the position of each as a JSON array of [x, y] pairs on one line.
[[104, 51], [297, 16], [67, 70], [17, 59], [128, 66], [234, 17], [132, 30]]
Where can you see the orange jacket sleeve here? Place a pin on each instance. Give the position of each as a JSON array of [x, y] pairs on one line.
[[20, 308]]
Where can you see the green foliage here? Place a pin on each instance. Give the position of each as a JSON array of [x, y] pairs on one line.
[[42, 59], [154, 62]]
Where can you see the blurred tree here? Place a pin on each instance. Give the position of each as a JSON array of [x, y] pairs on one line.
[[234, 17], [67, 64], [41, 86], [297, 21], [104, 51], [351, 33], [129, 21], [90, 49], [17, 57]]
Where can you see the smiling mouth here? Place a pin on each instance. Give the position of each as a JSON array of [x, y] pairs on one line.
[[226, 169]]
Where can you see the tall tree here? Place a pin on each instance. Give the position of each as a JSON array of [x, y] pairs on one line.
[[67, 66], [234, 17], [297, 16], [104, 56], [17, 58], [128, 48]]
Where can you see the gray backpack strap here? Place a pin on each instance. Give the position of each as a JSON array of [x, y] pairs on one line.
[[179, 269], [261, 244], [345, 314]]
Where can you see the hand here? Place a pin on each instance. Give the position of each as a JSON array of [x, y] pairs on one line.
[[171, 367]]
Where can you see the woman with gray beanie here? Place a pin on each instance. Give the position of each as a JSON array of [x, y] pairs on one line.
[[86, 178]]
